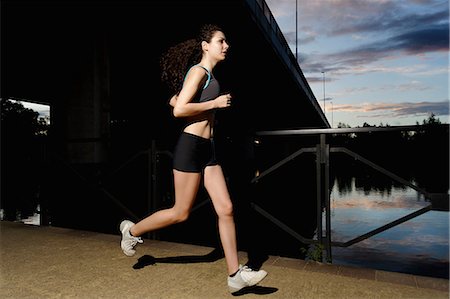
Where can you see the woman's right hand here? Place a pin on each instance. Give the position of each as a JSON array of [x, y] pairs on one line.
[[223, 101], [173, 100]]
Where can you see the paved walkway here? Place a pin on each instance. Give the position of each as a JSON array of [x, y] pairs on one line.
[[51, 262]]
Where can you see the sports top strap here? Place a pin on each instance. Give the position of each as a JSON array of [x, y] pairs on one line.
[[207, 71]]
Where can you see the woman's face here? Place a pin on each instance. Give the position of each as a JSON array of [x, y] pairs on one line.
[[217, 48]]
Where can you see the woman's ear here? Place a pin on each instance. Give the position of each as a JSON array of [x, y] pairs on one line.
[[204, 46]]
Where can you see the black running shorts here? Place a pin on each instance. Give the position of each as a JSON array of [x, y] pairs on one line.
[[193, 153]]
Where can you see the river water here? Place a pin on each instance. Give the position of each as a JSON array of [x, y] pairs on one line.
[[419, 246]]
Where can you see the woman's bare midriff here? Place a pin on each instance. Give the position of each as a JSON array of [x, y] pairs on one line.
[[201, 126]]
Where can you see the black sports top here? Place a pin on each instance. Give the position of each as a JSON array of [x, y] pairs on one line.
[[210, 91]]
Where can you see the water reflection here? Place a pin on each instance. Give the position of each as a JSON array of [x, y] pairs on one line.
[[419, 246]]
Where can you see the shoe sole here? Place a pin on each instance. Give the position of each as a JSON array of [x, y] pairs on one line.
[[235, 290]]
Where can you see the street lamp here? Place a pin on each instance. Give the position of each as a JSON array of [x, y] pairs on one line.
[[296, 31], [332, 125], [323, 73]]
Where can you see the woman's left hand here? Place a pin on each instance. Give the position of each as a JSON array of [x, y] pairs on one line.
[[223, 101]]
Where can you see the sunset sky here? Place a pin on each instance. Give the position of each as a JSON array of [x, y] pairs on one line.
[[384, 61]]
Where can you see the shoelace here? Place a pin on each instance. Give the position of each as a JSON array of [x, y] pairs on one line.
[[246, 269], [136, 240]]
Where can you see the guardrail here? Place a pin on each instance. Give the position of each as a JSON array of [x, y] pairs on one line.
[[322, 152]]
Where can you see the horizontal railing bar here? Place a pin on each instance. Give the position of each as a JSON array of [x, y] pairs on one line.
[[383, 228], [339, 130]]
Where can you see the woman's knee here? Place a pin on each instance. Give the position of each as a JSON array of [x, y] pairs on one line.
[[225, 209], [179, 216]]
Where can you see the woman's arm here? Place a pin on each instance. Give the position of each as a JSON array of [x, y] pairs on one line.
[[173, 100], [182, 103]]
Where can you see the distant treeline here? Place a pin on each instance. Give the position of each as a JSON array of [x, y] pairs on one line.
[[420, 156]]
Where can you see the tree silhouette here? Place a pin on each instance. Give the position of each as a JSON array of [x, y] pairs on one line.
[[421, 156], [21, 131]]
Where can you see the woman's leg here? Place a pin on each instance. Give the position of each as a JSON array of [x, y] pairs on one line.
[[217, 189], [186, 187]]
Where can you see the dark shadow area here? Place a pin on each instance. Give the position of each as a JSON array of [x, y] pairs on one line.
[[148, 260], [258, 290], [254, 261], [214, 255]]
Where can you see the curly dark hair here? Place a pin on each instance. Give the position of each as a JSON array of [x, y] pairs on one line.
[[177, 59]]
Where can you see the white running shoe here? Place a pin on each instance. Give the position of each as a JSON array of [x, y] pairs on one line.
[[128, 241], [246, 277]]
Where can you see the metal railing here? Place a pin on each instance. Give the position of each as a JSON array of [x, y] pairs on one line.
[[322, 152]]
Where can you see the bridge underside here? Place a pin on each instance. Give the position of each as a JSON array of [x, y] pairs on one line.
[[97, 65]]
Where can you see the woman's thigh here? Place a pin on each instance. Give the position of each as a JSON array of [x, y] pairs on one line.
[[217, 188], [186, 188]]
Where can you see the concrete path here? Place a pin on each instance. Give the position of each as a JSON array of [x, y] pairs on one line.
[[51, 262]]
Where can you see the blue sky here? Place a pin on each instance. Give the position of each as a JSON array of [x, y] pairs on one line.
[[384, 61]]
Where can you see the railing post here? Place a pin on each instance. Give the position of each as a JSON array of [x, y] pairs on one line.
[[326, 189], [323, 195], [319, 195]]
